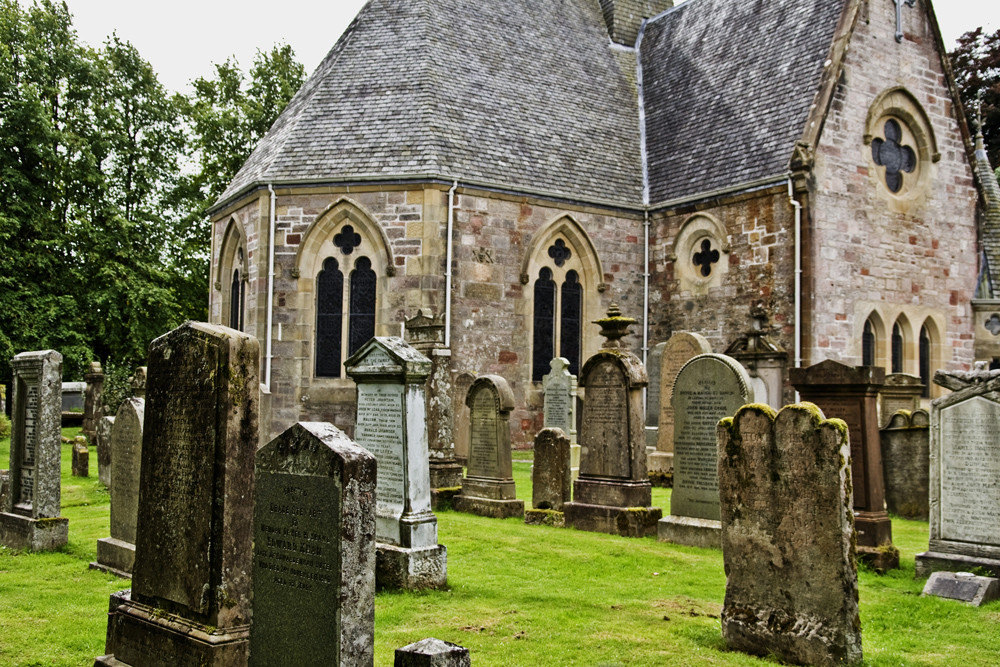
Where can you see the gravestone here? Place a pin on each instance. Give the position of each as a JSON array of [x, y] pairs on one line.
[[426, 333], [900, 392], [559, 406], [80, 462], [72, 403], [708, 388], [488, 486], [613, 493], [30, 517], [963, 586], [964, 469], [851, 393], [190, 600], [764, 358], [432, 653], [391, 424], [653, 368], [116, 554], [551, 483], [103, 446], [905, 443], [92, 406], [313, 550], [137, 382], [787, 536], [680, 349], [4, 487]]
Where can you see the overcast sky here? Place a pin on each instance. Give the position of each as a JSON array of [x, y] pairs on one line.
[[183, 38]]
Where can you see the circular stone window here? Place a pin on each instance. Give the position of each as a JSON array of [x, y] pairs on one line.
[[902, 148]]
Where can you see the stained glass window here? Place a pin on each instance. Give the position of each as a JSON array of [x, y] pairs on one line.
[[569, 321], [362, 322], [543, 348], [329, 318]]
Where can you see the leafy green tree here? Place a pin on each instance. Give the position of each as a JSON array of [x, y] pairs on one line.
[[976, 65]]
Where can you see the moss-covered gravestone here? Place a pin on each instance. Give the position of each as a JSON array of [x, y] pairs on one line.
[[313, 551], [787, 536], [190, 601]]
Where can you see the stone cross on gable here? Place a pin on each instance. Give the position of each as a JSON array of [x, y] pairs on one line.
[[899, 16]]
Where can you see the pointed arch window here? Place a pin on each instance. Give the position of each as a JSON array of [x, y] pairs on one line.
[[925, 360], [868, 345], [543, 349], [237, 294], [362, 316], [329, 318], [558, 322], [897, 349], [570, 316]]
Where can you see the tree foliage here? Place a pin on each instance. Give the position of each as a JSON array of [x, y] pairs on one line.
[[976, 65], [105, 180]]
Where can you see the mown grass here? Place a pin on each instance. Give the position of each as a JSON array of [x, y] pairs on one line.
[[518, 595]]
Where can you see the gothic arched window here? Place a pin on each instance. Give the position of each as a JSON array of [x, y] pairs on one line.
[[925, 360], [362, 316], [570, 325], [897, 349], [543, 348], [868, 345], [237, 293], [329, 319]]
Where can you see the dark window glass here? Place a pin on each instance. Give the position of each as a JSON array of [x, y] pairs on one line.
[[362, 322], [329, 317], [897, 349], [868, 345], [237, 293], [570, 321], [543, 347], [925, 361]]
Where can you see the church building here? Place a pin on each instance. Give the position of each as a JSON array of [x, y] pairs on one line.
[[499, 173]]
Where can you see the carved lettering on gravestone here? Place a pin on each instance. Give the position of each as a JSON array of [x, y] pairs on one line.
[[379, 429], [27, 491], [126, 446], [605, 424], [557, 410], [483, 445], [851, 414], [970, 470], [378, 360]]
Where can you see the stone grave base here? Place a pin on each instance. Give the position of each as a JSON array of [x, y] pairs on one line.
[[545, 518], [22, 532], [574, 461], [660, 462], [689, 531], [612, 492], [929, 562], [624, 521], [114, 556], [400, 568], [490, 507], [142, 636], [443, 499], [881, 559], [432, 652], [445, 474]]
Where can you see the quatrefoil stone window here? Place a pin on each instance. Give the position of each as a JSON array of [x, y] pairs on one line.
[[559, 252], [893, 155], [706, 258], [993, 324], [347, 240]]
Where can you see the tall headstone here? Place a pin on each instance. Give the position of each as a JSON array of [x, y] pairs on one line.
[[488, 486], [964, 469], [30, 518], [851, 393], [613, 493], [559, 406], [551, 481], [905, 443], [103, 447], [391, 424], [708, 388], [92, 406], [654, 364], [787, 536], [425, 333], [190, 600], [461, 412], [116, 554], [680, 349], [900, 392], [313, 551]]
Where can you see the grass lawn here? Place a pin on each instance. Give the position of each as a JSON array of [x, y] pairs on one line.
[[519, 595]]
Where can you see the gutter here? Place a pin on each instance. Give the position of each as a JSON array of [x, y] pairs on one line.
[[447, 268], [798, 273], [270, 288]]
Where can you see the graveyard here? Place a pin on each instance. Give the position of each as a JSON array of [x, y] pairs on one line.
[[517, 595]]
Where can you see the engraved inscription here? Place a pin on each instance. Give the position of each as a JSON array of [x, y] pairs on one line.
[[484, 445], [970, 472], [557, 408], [30, 425], [605, 424], [380, 431], [851, 414]]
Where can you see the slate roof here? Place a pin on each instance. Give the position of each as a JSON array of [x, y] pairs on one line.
[[522, 94], [990, 235], [728, 85]]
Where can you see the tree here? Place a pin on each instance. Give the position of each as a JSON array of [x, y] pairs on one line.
[[976, 65]]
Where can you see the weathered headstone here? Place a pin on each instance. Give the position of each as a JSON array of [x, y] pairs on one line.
[[92, 406], [190, 600], [80, 462], [963, 586], [964, 469], [313, 550], [851, 393], [551, 483], [900, 392], [391, 424], [787, 536], [654, 364], [613, 493], [425, 332], [461, 413], [905, 442], [72, 402], [137, 382], [103, 446], [559, 406], [30, 518], [708, 388], [488, 486], [680, 349], [432, 653], [116, 554]]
